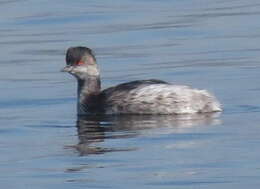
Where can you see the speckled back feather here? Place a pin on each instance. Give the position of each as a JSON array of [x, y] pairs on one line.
[[157, 97]]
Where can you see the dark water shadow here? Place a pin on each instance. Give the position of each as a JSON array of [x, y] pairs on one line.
[[93, 130]]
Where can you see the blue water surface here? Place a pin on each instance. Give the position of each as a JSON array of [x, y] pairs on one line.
[[212, 44]]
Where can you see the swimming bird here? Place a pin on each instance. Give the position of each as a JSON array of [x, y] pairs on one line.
[[136, 97]]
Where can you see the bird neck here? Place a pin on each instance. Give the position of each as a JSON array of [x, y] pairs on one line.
[[88, 94]]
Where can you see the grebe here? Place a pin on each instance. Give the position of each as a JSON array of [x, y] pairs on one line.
[[136, 97]]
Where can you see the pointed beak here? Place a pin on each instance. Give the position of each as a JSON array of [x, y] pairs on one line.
[[66, 69]]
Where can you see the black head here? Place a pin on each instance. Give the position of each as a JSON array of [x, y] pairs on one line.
[[81, 62], [79, 55]]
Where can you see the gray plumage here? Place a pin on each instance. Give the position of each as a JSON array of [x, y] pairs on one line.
[[136, 97]]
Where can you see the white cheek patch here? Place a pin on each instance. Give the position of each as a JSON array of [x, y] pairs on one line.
[[79, 69], [92, 71], [88, 70]]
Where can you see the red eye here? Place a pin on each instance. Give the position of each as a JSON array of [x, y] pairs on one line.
[[79, 63]]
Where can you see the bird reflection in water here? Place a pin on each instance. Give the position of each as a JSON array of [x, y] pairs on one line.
[[93, 130]]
